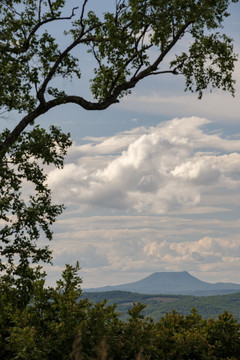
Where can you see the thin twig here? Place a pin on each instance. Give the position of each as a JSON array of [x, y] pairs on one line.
[[82, 12]]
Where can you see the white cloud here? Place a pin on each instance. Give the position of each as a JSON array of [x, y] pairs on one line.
[[168, 168], [218, 106], [168, 198]]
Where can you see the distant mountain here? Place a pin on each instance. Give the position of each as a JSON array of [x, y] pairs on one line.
[[180, 283]]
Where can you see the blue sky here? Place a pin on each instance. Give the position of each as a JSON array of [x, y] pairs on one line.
[[150, 184]]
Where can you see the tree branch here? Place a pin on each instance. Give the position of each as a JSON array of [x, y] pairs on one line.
[[43, 108], [174, 72], [40, 23], [154, 66], [82, 12], [150, 70]]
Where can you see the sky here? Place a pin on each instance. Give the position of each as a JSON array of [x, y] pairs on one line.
[[150, 184]]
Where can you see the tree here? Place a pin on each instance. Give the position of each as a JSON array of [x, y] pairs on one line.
[[47, 327], [120, 42], [26, 216]]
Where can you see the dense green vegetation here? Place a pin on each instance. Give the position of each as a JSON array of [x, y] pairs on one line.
[[159, 305], [59, 323]]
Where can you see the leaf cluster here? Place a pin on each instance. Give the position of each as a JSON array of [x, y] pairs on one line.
[[122, 44], [29, 51], [26, 209], [127, 44]]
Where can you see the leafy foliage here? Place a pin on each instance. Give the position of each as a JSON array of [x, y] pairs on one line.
[[59, 323], [26, 208], [46, 327]]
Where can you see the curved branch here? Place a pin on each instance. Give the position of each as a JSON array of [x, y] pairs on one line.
[[174, 72], [45, 107]]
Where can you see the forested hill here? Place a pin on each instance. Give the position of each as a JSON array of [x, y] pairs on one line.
[[159, 305], [177, 283]]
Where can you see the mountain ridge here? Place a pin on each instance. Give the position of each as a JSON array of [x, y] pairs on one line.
[[177, 283]]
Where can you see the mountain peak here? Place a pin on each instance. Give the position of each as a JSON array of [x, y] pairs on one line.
[[173, 283]]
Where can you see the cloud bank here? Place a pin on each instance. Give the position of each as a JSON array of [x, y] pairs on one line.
[[162, 198], [173, 167]]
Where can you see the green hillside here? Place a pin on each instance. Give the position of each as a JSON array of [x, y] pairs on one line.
[[159, 305]]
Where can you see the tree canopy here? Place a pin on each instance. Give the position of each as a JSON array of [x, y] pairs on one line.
[[127, 45], [59, 324]]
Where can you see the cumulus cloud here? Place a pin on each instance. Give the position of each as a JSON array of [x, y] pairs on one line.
[[166, 199], [173, 167]]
